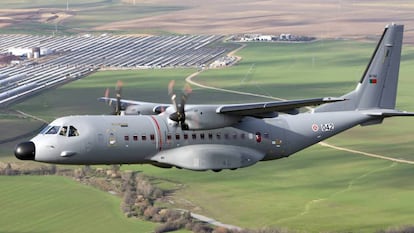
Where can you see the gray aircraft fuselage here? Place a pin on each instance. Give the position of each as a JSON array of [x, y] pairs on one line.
[[137, 139]]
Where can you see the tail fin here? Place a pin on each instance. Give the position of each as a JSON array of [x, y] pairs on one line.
[[378, 86]]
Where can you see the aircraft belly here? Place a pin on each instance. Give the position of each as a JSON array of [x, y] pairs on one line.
[[209, 156]]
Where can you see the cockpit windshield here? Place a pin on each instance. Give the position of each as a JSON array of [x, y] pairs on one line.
[[66, 131], [73, 131], [50, 130], [63, 131]]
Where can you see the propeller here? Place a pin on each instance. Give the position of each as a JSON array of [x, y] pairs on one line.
[[118, 89], [179, 114], [118, 107]]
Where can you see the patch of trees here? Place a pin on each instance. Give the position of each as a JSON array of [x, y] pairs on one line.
[[405, 229], [9, 170], [139, 201]]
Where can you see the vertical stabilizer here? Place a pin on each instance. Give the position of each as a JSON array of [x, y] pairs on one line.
[[378, 85]]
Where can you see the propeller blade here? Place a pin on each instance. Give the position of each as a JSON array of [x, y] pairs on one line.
[[186, 92], [118, 89], [174, 102], [187, 89], [179, 114], [106, 95], [171, 87]]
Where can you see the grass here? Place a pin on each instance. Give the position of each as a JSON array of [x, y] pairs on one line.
[[58, 204], [316, 190], [308, 192]]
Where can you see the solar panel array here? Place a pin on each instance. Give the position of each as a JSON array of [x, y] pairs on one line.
[[76, 56]]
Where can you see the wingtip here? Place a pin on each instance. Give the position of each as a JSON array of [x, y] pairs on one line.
[[333, 99]]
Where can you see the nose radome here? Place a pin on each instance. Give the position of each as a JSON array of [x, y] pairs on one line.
[[25, 151]]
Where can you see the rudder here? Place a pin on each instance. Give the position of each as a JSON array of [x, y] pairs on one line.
[[378, 85]]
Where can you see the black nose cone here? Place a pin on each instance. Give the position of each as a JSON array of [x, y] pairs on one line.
[[25, 151]]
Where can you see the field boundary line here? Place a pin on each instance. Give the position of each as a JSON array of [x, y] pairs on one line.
[[366, 153], [32, 116]]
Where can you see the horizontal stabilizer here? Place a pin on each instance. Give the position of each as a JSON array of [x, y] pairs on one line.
[[388, 113]]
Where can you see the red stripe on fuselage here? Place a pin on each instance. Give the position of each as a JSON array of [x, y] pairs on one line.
[[159, 133]]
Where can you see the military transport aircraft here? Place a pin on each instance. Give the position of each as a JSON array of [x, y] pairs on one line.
[[216, 137]]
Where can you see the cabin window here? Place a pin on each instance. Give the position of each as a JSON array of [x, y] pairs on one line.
[[243, 136], [194, 136], [226, 136], [266, 135], [126, 138], [169, 137], [210, 136], [185, 136], [202, 136], [258, 137], [177, 137], [235, 136], [135, 137], [152, 137], [218, 135], [144, 137]]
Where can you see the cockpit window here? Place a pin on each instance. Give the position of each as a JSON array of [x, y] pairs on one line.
[[73, 131], [53, 130], [63, 131], [45, 129], [69, 131]]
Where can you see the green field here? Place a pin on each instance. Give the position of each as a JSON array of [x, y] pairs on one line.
[[59, 204], [316, 190]]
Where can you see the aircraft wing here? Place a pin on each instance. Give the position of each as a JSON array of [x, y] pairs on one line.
[[112, 101], [262, 109], [133, 106]]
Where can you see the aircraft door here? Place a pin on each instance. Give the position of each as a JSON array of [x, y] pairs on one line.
[[157, 136], [277, 137], [111, 138]]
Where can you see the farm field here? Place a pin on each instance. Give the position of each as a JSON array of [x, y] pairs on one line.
[[59, 204], [79, 16], [333, 19], [316, 190]]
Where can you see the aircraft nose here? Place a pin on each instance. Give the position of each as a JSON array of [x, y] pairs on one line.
[[25, 151]]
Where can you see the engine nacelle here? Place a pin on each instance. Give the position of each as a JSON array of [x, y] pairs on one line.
[[144, 109], [205, 118]]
